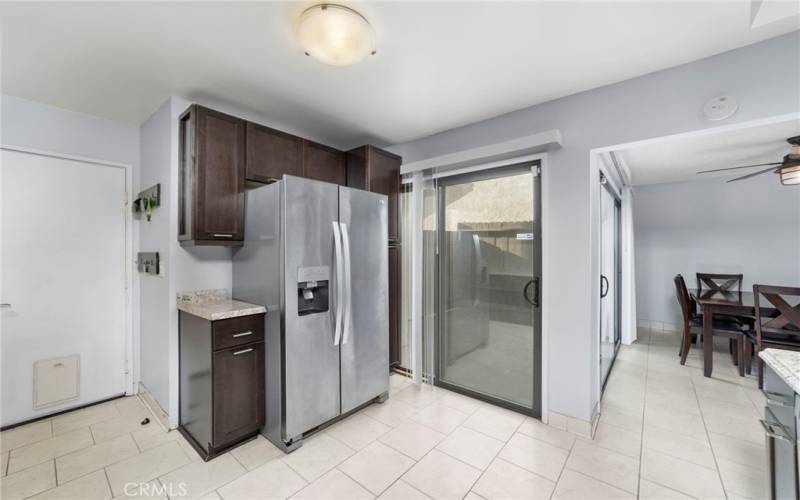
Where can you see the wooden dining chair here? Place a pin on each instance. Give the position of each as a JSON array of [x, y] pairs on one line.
[[776, 330], [719, 282], [693, 325]]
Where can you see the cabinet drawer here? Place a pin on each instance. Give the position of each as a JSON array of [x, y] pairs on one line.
[[237, 331]]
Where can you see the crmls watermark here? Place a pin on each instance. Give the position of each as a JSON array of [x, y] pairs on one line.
[[155, 489]]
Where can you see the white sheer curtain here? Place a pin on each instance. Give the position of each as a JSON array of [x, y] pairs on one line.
[[628, 269]]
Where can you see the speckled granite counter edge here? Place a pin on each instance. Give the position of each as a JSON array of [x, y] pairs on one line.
[[215, 305], [786, 364]]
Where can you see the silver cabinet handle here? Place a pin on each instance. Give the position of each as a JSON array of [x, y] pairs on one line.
[[348, 292], [243, 351], [222, 235], [776, 432], [5, 305], [243, 334], [337, 246], [778, 399]]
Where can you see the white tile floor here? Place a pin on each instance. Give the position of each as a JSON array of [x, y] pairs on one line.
[[665, 432]]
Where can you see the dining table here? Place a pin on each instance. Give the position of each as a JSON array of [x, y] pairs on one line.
[[728, 302]]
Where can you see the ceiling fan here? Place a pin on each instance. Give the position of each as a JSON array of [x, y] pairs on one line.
[[788, 169]]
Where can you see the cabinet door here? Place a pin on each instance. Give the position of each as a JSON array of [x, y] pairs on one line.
[[238, 392], [272, 153], [323, 163], [394, 306], [384, 177], [220, 174]]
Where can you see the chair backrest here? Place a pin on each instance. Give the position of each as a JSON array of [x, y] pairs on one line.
[[685, 301], [787, 319], [719, 282]]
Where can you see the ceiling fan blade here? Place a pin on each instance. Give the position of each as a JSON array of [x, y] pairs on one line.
[[736, 168], [770, 169]]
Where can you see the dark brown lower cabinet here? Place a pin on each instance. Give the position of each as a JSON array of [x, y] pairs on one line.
[[221, 381]]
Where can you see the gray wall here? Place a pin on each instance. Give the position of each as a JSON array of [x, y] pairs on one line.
[[183, 268], [750, 227], [662, 103]]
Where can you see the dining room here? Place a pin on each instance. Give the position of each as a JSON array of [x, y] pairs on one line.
[[715, 268]]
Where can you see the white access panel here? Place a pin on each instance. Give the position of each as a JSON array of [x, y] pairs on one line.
[[62, 277], [56, 381]]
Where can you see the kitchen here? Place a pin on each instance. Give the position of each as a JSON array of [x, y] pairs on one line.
[[336, 278]]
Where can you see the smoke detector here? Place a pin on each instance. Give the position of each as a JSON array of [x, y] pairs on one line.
[[720, 108]]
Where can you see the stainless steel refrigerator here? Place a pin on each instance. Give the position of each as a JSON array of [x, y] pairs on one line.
[[316, 255]]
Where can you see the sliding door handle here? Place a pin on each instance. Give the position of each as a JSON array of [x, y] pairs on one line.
[[603, 279], [525, 292]]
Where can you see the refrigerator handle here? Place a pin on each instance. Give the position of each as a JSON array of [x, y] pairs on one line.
[[348, 292], [337, 247]]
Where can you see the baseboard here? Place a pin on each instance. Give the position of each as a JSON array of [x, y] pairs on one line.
[[57, 413], [161, 416]]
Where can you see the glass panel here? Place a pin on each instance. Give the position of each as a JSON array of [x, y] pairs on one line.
[[609, 280], [488, 249]]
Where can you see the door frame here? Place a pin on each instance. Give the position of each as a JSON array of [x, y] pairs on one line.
[[605, 184], [533, 165], [131, 290]]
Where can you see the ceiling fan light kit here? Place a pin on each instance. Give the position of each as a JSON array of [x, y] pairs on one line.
[[334, 34], [788, 169], [790, 175]]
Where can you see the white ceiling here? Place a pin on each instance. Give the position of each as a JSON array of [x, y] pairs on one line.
[[681, 159], [439, 64]]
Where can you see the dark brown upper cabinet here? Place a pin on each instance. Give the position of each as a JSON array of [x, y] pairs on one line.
[[378, 171], [324, 163], [272, 153], [212, 176]]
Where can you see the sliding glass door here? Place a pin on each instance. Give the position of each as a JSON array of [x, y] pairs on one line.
[[488, 342], [610, 269]]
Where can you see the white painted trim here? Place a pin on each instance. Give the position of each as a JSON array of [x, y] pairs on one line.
[[130, 362], [546, 288], [483, 155], [700, 132]]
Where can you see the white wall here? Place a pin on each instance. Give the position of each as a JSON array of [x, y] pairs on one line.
[[31, 125], [750, 227], [659, 104], [184, 268]]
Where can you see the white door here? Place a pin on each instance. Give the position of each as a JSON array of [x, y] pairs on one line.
[[62, 279]]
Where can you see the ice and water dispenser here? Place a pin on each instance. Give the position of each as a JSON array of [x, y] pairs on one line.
[[312, 289]]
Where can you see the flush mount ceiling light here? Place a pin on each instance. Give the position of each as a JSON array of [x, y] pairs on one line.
[[335, 34]]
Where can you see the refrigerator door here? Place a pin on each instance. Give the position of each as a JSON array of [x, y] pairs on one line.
[[365, 336], [311, 358]]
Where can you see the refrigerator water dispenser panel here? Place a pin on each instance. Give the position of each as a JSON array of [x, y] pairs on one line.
[[312, 290]]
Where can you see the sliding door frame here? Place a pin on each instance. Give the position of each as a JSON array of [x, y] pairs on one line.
[[535, 168], [606, 185]]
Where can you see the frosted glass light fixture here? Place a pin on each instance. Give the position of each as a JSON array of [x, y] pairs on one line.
[[790, 174], [335, 34]]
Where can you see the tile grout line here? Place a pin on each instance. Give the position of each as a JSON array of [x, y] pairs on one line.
[[108, 481], [708, 437], [644, 412]]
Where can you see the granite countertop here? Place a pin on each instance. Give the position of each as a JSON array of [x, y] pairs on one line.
[[786, 364], [214, 305]]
